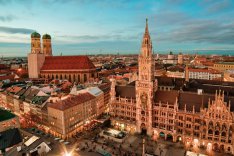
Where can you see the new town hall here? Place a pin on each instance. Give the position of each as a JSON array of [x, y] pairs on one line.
[[196, 119]]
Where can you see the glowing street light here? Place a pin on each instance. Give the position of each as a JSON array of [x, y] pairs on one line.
[[67, 154]]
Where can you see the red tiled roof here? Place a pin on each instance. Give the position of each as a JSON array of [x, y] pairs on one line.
[[13, 89], [72, 101], [208, 63], [67, 63], [3, 66], [10, 77], [5, 71]]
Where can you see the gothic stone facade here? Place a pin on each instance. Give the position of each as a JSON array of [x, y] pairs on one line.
[[202, 120]]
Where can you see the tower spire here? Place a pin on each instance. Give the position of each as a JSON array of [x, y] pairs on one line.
[[146, 47], [146, 26]]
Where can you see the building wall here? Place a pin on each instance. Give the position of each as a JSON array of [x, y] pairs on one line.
[[176, 74], [65, 123], [199, 75], [204, 75], [180, 59], [78, 77], [56, 121], [35, 62], [100, 104], [224, 66]]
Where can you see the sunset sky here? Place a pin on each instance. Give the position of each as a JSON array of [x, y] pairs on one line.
[[116, 26]]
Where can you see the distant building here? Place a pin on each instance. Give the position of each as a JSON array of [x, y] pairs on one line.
[[205, 74], [199, 60], [41, 63], [170, 56], [180, 58], [222, 66], [170, 59], [175, 71]]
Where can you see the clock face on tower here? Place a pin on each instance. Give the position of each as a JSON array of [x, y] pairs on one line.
[[144, 99]]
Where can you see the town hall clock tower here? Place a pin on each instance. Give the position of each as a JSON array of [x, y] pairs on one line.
[[145, 86]]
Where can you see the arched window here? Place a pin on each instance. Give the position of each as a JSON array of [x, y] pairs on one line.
[[79, 78], [230, 131], [223, 134], [70, 78], [224, 127], [85, 77], [216, 132], [210, 131], [211, 124], [217, 126]]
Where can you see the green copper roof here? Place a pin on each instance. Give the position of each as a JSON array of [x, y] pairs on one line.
[[46, 36], [35, 35]]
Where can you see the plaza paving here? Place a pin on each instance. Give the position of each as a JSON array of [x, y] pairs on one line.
[[134, 143], [131, 146]]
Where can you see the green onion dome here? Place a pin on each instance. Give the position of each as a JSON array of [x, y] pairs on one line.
[[46, 36], [35, 35]]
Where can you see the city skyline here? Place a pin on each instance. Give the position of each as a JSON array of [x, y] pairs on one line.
[[91, 27], [52, 103]]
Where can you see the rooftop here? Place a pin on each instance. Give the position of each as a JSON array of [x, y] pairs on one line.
[[46, 36], [5, 115], [35, 35], [204, 70], [9, 138], [128, 91], [67, 63], [166, 96], [94, 91], [71, 101], [231, 63]]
